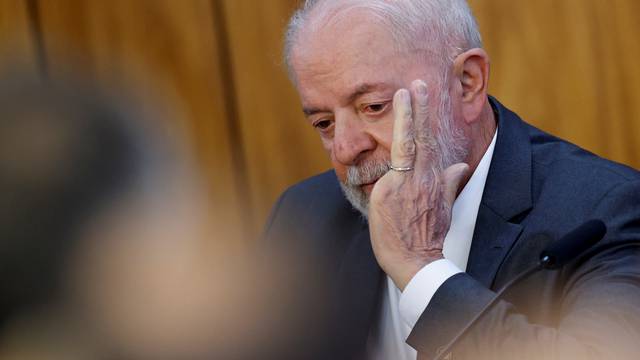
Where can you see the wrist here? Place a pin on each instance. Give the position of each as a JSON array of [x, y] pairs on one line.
[[406, 271]]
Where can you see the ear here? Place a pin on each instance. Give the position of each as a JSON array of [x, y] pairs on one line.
[[471, 69]]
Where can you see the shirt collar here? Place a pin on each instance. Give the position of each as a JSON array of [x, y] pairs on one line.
[[465, 211]]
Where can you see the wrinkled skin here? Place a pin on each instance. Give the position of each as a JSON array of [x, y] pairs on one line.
[[348, 97], [410, 212]]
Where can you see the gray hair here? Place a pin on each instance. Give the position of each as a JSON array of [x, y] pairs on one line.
[[449, 24]]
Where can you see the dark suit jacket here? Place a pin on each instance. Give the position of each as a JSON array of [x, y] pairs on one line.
[[536, 184]]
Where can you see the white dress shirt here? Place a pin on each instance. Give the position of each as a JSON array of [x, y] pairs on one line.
[[399, 312]]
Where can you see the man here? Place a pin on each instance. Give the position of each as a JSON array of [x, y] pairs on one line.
[[449, 189]]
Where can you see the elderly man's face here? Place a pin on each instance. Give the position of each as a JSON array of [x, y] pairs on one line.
[[346, 74]]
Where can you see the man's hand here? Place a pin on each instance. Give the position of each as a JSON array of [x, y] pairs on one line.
[[410, 211]]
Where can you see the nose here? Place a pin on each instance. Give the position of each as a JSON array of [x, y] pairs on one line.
[[351, 139]]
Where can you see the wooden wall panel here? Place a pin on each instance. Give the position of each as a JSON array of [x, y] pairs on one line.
[[569, 67], [169, 47], [566, 66], [281, 148], [16, 35]]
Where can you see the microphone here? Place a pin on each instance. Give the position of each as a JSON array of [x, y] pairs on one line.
[[555, 256]]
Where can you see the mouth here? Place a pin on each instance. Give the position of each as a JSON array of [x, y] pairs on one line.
[[368, 187]]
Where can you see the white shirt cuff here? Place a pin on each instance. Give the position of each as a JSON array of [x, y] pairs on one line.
[[418, 293]]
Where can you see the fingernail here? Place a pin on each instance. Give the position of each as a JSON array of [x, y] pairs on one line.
[[402, 94], [421, 88]]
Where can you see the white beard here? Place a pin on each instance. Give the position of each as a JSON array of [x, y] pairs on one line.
[[450, 143], [363, 173]]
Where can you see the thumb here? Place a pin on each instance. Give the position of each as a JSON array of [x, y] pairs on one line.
[[452, 179]]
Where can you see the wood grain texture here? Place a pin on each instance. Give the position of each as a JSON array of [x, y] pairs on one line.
[[566, 66], [170, 49], [281, 147], [17, 47], [569, 67]]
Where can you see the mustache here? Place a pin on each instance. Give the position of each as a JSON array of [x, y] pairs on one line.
[[366, 172]]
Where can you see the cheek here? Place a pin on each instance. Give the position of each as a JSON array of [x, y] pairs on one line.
[[382, 131], [341, 170], [327, 144]]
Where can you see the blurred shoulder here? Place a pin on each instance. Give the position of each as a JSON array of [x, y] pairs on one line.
[[319, 192], [315, 202]]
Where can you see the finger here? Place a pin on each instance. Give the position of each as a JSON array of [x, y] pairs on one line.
[[424, 139], [403, 147], [452, 179], [420, 100]]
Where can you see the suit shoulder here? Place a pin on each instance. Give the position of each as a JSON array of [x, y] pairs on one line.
[[322, 189], [321, 183], [319, 196], [562, 158]]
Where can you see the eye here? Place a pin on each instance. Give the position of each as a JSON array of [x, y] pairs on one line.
[[322, 124], [374, 108]]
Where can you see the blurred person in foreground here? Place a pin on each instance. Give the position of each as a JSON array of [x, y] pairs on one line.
[[103, 248], [437, 193]]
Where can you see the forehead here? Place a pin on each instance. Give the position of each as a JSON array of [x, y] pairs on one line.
[[335, 58], [346, 51]]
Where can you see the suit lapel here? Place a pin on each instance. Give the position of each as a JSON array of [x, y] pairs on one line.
[[507, 194], [490, 245]]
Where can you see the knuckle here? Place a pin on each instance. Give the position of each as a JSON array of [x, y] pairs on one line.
[[422, 106], [386, 193], [381, 195], [407, 147]]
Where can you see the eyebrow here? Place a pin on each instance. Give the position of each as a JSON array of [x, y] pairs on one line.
[[312, 111], [359, 91]]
